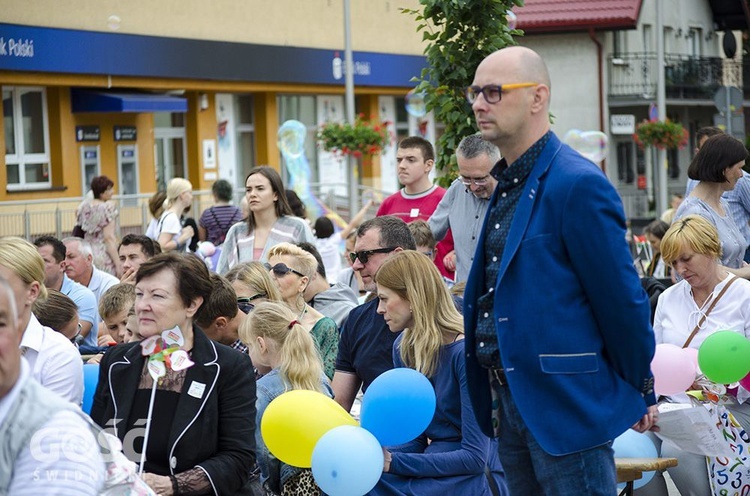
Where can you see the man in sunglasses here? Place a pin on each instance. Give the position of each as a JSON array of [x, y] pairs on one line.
[[463, 207], [555, 317], [419, 198], [366, 343]]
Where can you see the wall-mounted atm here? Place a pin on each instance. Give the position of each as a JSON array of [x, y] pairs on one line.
[[127, 172], [90, 166]]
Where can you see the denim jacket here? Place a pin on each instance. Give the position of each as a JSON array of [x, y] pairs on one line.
[[274, 473]]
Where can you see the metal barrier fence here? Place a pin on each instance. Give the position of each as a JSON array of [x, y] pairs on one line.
[[34, 218]]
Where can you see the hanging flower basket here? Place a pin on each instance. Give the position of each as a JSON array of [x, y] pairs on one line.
[[358, 139], [666, 135]]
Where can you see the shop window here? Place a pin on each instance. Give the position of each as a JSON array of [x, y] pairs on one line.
[[245, 118], [673, 163], [625, 172], [26, 138]]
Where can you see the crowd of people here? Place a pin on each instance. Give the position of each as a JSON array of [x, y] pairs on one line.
[[191, 354]]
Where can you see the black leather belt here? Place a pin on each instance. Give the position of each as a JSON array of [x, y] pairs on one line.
[[499, 375]]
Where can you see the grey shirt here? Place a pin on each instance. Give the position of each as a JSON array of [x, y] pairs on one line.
[[463, 213], [733, 243]]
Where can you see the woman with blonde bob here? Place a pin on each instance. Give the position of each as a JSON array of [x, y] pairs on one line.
[[706, 300], [172, 236], [278, 341], [291, 268], [451, 455]]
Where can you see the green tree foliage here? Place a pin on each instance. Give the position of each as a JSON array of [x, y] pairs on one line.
[[460, 34]]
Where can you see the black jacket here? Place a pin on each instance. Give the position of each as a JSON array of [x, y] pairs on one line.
[[215, 431]]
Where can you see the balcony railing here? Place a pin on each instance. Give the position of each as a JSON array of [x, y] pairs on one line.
[[634, 75]]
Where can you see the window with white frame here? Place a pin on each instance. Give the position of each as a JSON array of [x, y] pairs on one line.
[[26, 138]]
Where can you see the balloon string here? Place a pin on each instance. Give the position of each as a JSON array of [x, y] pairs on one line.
[[148, 428]]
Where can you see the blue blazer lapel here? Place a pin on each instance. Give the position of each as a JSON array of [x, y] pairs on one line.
[[200, 384], [526, 204]]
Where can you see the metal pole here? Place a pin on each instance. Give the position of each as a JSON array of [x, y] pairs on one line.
[[661, 97], [351, 163]]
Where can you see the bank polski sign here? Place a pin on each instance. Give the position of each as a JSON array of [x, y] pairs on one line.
[[622, 124]]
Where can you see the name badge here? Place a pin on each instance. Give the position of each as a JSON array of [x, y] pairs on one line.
[[414, 212], [196, 389]]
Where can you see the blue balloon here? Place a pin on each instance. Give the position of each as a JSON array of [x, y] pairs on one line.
[[347, 461], [398, 406], [632, 444], [90, 380]]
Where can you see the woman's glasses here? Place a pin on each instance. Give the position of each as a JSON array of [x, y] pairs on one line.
[[281, 269], [246, 305]]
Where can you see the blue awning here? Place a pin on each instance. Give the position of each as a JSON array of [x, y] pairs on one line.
[[84, 100]]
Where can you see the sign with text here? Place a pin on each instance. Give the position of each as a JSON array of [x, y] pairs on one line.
[[622, 124], [126, 133], [88, 133]]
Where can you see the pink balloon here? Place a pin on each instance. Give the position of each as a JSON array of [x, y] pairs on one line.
[[693, 354], [673, 369]]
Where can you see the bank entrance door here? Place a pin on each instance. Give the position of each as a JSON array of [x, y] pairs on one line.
[[169, 148]]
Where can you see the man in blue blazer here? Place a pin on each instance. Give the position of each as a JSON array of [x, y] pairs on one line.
[[558, 340]]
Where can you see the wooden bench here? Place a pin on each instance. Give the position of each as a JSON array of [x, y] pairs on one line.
[[631, 469]]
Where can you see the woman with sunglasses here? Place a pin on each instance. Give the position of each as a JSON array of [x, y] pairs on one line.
[[278, 342], [291, 268], [253, 285], [452, 456], [270, 222]]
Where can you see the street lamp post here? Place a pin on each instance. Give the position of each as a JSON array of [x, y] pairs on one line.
[[351, 164], [661, 104]]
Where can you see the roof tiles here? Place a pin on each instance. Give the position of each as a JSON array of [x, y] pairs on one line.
[[546, 16]]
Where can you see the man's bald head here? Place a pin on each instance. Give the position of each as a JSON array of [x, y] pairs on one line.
[[521, 63], [519, 116]]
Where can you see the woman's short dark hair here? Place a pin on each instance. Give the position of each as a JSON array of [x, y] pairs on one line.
[[222, 190], [718, 153], [193, 278], [657, 228], [323, 227], [282, 206], [100, 184]]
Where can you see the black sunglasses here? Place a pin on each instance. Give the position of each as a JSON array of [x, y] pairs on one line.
[[281, 269], [364, 256], [245, 304]]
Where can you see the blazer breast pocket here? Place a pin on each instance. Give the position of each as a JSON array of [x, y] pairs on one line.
[[574, 363]]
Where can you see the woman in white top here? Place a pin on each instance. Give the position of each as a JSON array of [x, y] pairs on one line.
[[270, 222], [172, 236], [54, 362], [691, 246]]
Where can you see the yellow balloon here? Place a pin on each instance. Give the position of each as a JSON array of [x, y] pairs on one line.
[[294, 422]]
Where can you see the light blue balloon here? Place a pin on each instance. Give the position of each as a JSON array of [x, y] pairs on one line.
[[632, 444], [398, 406], [347, 461], [90, 380]]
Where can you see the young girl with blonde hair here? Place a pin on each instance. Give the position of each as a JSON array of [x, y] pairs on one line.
[[276, 340]]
